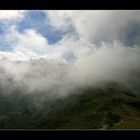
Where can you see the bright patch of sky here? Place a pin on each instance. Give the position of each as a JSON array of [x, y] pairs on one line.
[[38, 21], [32, 19], [64, 34]]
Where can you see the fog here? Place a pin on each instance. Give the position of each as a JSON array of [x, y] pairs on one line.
[[98, 51], [118, 64]]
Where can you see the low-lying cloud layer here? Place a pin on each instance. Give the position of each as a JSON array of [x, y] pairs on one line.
[[103, 46]]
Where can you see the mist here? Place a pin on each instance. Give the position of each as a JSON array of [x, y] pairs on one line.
[[96, 52], [112, 63]]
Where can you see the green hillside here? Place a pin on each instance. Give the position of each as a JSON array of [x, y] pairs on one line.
[[109, 107]]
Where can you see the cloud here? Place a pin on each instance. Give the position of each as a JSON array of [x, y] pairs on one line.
[[26, 45], [11, 14], [94, 54], [59, 19], [109, 63], [97, 25], [29, 40]]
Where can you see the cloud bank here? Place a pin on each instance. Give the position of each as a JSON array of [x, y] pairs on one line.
[[97, 47]]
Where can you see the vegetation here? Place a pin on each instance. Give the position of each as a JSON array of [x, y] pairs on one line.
[[109, 107]]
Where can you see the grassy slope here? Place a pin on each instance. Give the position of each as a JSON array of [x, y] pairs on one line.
[[111, 107]]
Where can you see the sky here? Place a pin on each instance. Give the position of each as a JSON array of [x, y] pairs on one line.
[[60, 50], [53, 32]]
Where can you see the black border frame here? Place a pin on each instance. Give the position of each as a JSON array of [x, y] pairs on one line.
[[69, 5]]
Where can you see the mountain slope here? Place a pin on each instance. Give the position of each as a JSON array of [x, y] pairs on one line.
[[108, 107]]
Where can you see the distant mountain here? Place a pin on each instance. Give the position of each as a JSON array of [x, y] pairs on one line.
[[108, 107]]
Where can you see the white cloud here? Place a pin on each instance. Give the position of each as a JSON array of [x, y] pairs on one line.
[[90, 26], [110, 62], [29, 40], [28, 45], [71, 45], [95, 24], [11, 14], [61, 19], [107, 61]]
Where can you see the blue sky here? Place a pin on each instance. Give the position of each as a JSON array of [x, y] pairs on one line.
[[66, 34], [32, 19], [38, 21]]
